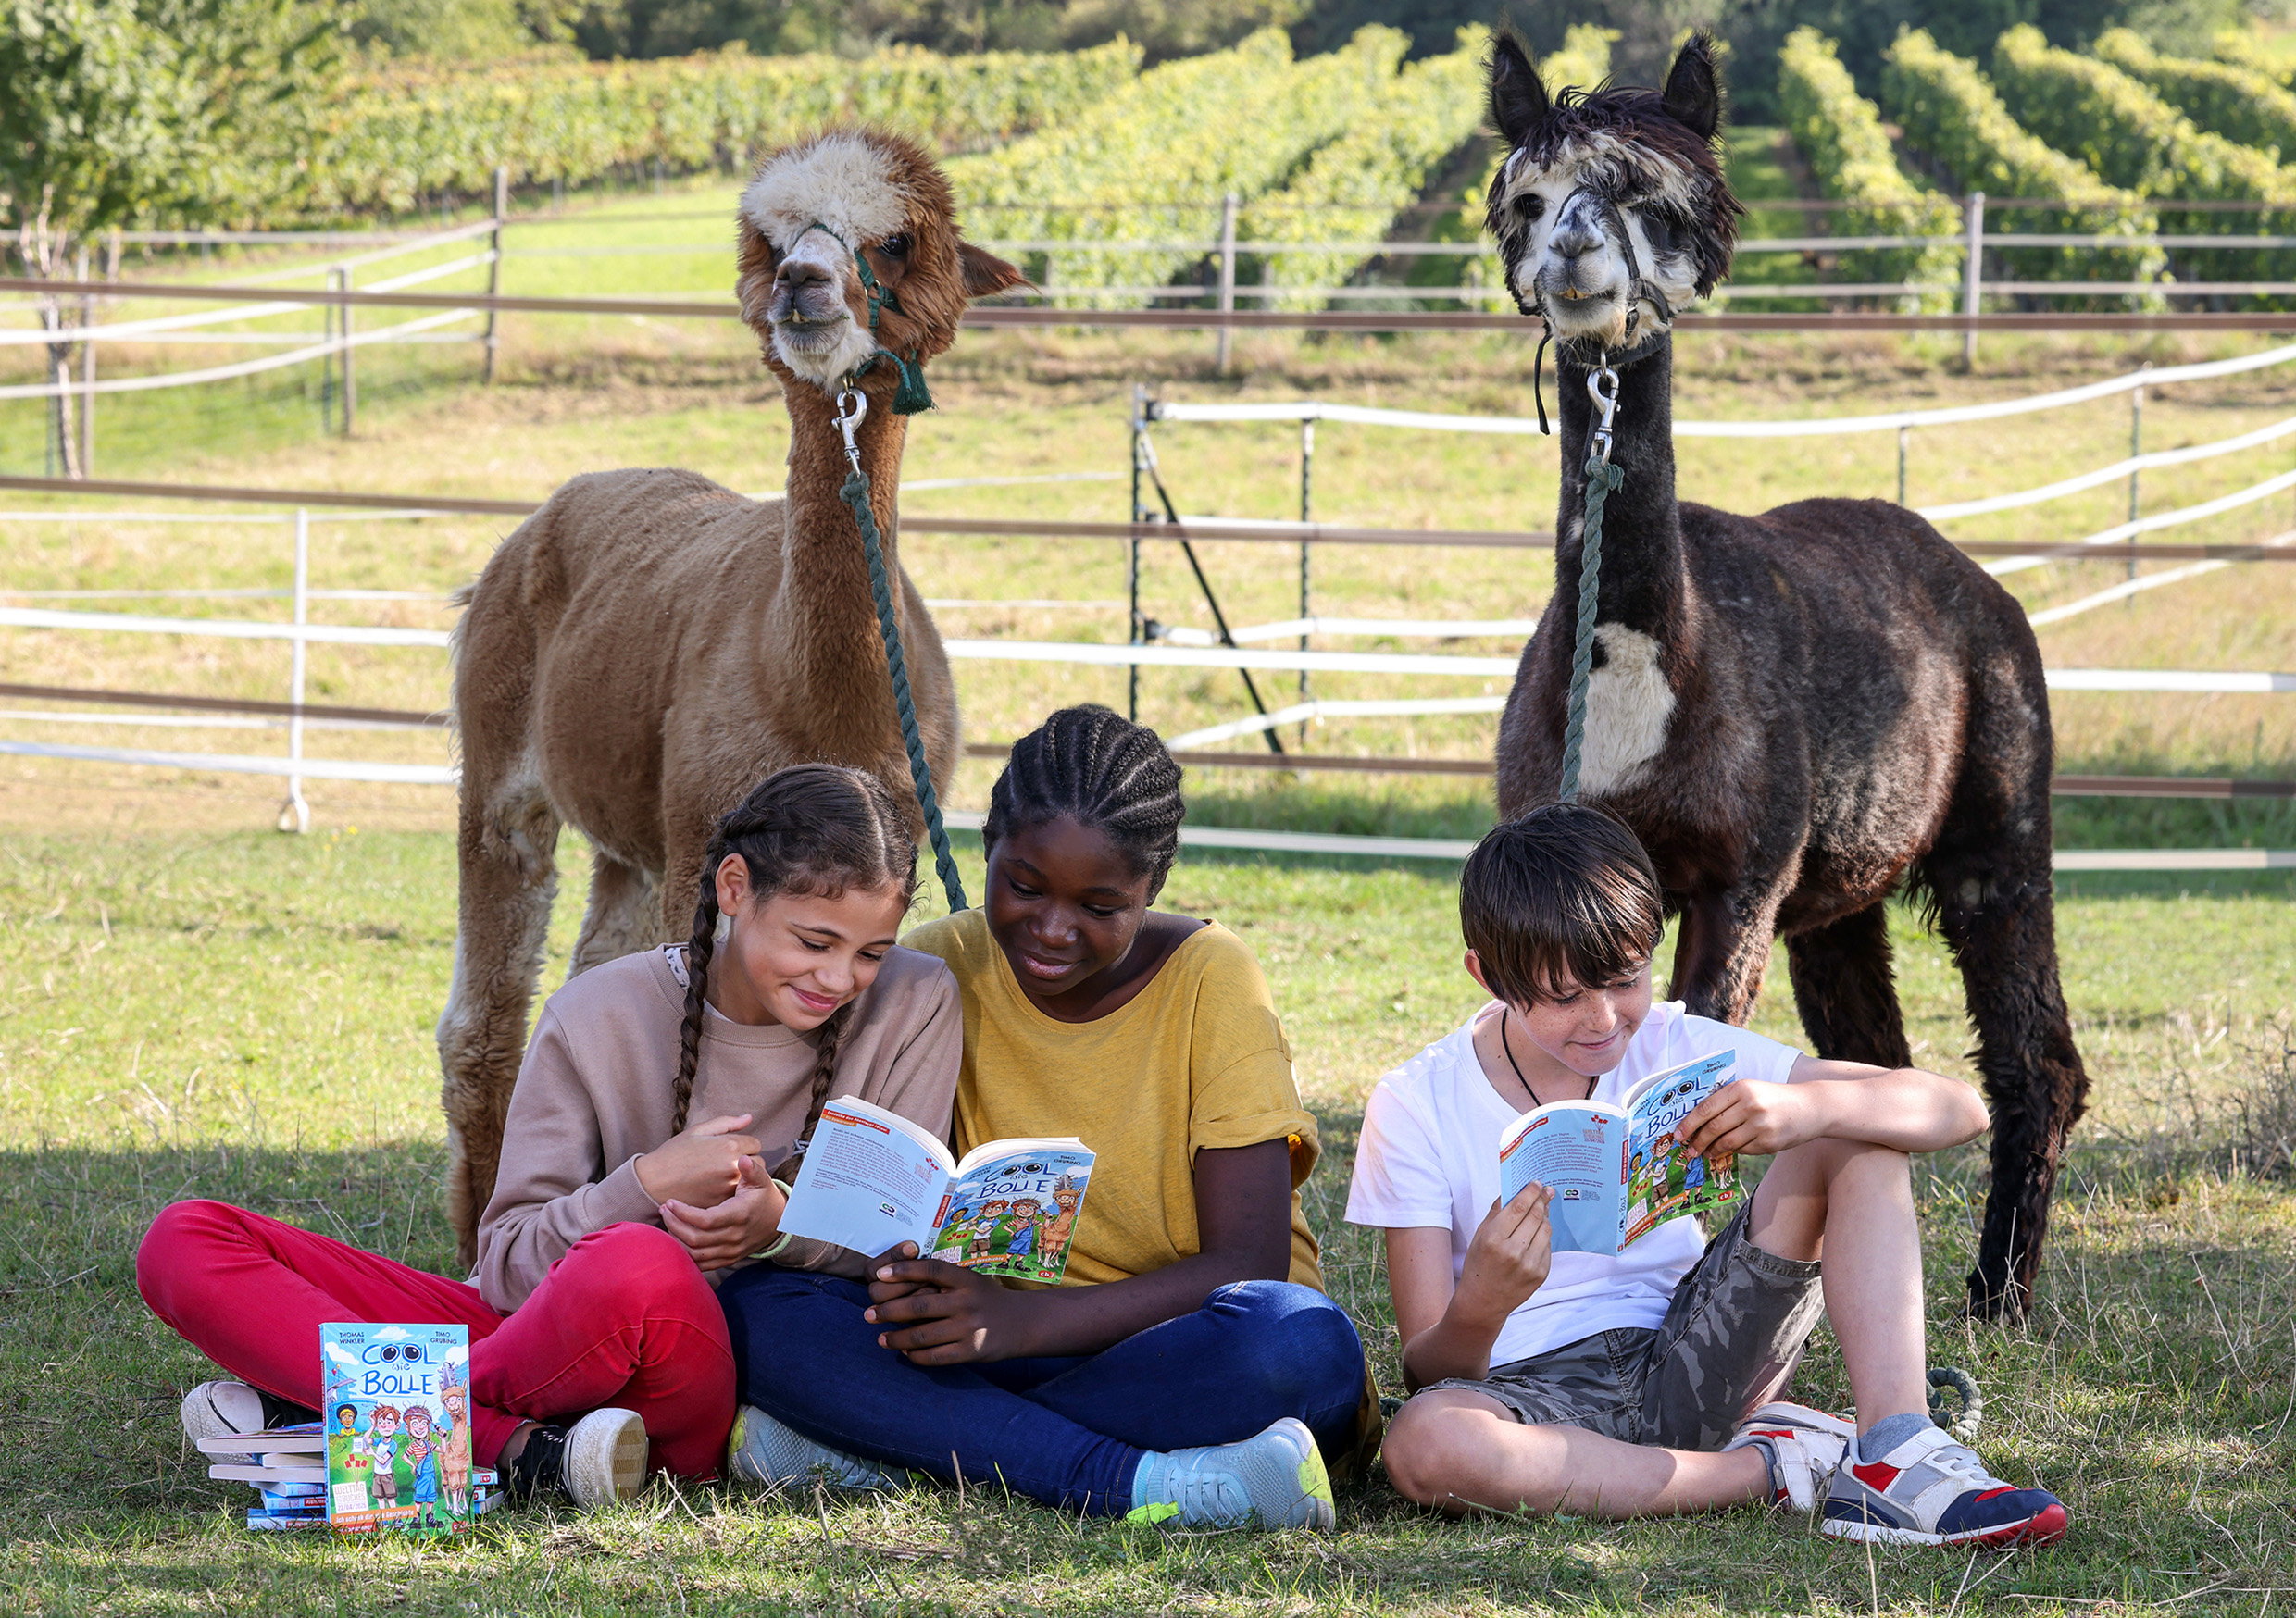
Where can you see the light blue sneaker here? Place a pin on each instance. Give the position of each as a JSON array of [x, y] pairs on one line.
[[763, 1451], [1275, 1480]]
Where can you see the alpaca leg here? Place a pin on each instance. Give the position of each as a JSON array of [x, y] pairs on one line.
[[1723, 949], [2002, 928], [1846, 992], [622, 918], [508, 877]]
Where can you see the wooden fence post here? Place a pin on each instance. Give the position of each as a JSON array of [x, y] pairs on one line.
[[494, 269], [341, 278], [1226, 273], [87, 371], [1973, 281]]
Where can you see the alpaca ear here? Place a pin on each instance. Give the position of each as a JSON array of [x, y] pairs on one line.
[[985, 273], [1518, 100], [1693, 95]]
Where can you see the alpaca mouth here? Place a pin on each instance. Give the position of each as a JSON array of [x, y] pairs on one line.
[[799, 331]]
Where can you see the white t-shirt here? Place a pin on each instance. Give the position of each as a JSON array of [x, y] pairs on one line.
[[1429, 1157]]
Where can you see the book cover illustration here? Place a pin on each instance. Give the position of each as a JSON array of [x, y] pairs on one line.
[[397, 1427], [1015, 1217], [1618, 1171], [872, 1179], [1665, 1178]]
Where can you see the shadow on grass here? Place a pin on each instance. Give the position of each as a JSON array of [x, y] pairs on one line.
[[2148, 1390]]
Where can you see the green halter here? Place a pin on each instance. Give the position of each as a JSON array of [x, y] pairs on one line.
[[910, 394]]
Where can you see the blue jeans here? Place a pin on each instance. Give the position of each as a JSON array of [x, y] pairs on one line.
[[1068, 1431]]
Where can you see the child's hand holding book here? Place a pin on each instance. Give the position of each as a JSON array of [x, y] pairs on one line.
[[1752, 1115], [1507, 1261], [937, 1313]]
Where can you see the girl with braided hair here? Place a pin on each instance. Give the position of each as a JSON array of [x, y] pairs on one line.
[[1188, 1367], [658, 1094]]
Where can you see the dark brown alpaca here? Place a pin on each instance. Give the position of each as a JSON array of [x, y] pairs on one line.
[[1801, 713], [648, 645]]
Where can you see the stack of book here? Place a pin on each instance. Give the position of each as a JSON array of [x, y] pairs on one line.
[[287, 1468]]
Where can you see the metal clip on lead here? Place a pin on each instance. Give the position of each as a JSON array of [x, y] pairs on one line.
[[1602, 388], [853, 408]]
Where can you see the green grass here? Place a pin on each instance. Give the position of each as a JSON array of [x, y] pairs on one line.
[[190, 1007], [247, 1017]]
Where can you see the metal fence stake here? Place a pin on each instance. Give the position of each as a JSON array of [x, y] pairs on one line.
[[1904, 438], [1131, 565], [1307, 506]]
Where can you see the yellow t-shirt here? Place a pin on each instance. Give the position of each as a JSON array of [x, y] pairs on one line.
[[1197, 1059]]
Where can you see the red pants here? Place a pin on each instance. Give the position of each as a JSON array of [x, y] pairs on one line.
[[623, 1319]]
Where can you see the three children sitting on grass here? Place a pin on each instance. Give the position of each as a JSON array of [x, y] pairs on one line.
[[1190, 1368]]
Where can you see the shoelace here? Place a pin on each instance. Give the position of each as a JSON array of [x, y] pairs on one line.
[[1198, 1489]]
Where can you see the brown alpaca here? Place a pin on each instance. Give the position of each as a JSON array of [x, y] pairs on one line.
[[648, 645], [1800, 712]]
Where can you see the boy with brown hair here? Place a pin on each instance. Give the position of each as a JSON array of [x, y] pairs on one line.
[[1639, 1385]]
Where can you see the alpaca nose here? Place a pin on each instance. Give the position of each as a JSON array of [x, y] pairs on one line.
[[1574, 241], [797, 274]]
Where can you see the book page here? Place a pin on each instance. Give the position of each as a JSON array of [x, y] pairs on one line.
[[1578, 1152], [1665, 1180], [871, 1180], [1014, 1211]]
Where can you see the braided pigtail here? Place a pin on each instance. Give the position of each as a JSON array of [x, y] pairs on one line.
[[812, 829], [1097, 767], [831, 1035], [699, 948]]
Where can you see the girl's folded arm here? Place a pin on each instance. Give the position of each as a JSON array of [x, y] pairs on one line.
[[552, 1190]]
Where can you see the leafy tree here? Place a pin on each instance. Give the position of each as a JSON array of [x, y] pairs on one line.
[[115, 110]]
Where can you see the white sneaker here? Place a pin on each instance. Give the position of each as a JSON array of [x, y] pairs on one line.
[[765, 1451], [219, 1410], [1275, 1479], [1802, 1446], [599, 1460]]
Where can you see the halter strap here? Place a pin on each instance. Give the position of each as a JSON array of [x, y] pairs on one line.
[[909, 395], [1639, 289]]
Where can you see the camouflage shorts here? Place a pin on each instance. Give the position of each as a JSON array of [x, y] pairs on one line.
[[1729, 1342]]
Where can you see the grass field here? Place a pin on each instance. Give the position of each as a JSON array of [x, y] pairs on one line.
[[192, 1006], [247, 1017]]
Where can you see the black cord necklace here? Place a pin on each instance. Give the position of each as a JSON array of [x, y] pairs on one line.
[[1507, 1046]]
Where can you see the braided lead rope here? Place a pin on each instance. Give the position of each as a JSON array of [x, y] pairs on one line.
[[855, 495], [1602, 481]]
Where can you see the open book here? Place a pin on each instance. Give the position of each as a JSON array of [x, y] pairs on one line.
[[873, 1181], [1616, 1170]]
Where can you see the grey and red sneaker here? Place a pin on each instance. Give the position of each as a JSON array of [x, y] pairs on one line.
[[1802, 1446], [1930, 1490]]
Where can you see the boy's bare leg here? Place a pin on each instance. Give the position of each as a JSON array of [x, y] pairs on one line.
[[1852, 1204], [1461, 1451]]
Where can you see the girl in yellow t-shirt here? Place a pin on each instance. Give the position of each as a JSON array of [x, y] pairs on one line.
[[1188, 1367]]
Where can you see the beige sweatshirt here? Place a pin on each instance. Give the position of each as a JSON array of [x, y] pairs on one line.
[[593, 1094]]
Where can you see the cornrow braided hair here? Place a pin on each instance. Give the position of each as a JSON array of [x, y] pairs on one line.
[[811, 829], [1100, 770]]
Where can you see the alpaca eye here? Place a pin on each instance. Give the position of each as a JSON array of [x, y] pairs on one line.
[[1528, 206], [1660, 233], [895, 246]]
